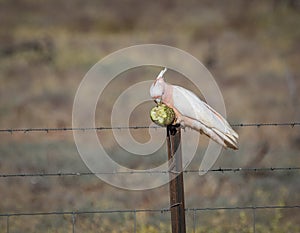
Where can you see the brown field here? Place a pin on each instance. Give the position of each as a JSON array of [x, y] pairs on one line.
[[252, 49]]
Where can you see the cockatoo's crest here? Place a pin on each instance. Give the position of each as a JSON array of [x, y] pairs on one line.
[[161, 74]]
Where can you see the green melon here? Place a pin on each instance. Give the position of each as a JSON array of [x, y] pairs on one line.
[[162, 115]]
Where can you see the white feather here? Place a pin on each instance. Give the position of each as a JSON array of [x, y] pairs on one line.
[[211, 123]]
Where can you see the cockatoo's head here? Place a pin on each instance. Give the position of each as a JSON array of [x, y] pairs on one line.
[[158, 87]]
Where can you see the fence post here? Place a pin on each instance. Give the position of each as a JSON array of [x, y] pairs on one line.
[[177, 206]]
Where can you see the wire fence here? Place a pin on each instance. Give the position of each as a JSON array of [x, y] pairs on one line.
[[161, 210], [219, 170], [194, 211], [47, 130]]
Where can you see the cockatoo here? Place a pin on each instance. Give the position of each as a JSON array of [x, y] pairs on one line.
[[192, 112]]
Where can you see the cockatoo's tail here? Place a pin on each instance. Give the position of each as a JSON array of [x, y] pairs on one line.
[[162, 115]]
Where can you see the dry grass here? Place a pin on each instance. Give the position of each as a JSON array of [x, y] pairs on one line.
[[252, 49]]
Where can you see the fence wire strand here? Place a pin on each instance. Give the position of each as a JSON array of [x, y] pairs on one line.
[[47, 130], [161, 210], [130, 172]]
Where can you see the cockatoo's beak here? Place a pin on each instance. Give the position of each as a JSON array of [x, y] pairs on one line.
[[158, 100]]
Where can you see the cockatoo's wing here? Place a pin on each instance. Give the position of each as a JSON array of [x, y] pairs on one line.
[[198, 115]]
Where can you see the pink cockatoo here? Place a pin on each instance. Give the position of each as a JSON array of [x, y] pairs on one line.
[[193, 113]]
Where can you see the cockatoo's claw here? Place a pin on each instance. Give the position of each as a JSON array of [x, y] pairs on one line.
[[178, 119], [182, 125]]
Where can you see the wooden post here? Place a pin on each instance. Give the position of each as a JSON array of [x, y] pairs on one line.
[[177, 206]]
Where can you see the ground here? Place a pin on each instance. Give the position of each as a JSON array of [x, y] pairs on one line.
[[251, 49]]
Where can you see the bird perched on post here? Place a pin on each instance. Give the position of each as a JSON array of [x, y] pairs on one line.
[[192, 112]]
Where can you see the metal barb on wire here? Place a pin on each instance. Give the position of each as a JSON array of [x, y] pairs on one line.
[[130, 172], [292, 124], [110, 211], [47, 130]]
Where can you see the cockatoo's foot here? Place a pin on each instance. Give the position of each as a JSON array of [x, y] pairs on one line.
[[182, 124], [178, 118], [177, 121]]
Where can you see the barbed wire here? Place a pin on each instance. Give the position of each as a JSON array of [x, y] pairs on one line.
[[47, 130], [129, 172], [161, 210], [291, 124]]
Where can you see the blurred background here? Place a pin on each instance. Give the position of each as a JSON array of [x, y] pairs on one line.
[[252, 49]]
